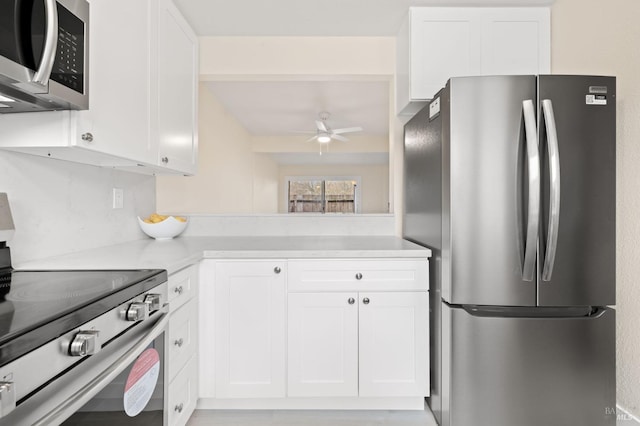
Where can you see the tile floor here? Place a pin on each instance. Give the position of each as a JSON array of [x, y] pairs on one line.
[[322, 418], [311, 418]]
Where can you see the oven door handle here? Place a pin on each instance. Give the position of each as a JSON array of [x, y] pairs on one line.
[[87, 392]]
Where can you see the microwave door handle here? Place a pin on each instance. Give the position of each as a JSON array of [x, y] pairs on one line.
[[43, 72], [533, 205], [554, 197]]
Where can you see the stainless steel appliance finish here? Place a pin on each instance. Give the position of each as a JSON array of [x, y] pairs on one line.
[[44, 55], [510, 181], [51, 376]]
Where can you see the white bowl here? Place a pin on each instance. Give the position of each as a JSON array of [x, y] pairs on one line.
[[165, 230]]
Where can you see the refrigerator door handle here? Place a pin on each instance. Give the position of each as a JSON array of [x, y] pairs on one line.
[[533, 209], [554, 197]]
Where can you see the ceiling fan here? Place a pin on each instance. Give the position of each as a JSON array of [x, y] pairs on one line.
[[325, 134]]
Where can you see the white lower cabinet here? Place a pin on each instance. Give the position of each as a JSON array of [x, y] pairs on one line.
[[323, 344], [314, 333], [182, 346], [394, 344], [250, 329], [358, 344], [183, 393]]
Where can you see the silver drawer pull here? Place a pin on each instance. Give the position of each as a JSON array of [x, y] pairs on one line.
[[87, 137], [358, 276], [178, 290], [179, 407], [179, 342], [365, 300], [277, 270], [351, 300]]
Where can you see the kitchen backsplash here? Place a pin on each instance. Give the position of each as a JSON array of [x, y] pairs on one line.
[[61, 207]]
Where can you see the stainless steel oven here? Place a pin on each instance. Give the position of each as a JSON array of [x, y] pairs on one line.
[[44, 55], [83, 348]]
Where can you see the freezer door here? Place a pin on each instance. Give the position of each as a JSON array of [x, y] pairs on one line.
[[527, 371], [489, 236], [578, 153]]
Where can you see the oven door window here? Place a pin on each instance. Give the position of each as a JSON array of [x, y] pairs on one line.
[[134, 398]]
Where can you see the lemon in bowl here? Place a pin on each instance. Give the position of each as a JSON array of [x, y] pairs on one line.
[[163, 227]]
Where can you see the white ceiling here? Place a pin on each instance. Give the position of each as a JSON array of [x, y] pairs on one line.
[[273, 108], [312, 17], [278, 108]]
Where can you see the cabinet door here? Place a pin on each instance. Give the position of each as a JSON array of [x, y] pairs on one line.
[[323, 344], [250, 329], [394, 344], [177, 91], [182, 396], [119, 93], [515, 41], [445, 43]]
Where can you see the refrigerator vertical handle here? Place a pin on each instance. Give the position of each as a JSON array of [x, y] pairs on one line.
[[554, 197], [533, 210]]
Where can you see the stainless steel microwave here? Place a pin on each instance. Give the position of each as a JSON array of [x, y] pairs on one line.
[[44, 55]]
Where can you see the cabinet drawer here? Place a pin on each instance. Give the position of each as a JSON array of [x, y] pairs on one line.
[[358, 275], [182, 336], [182, 395], [182, 286]]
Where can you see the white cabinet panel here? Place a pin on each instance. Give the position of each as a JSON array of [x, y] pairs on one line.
[[323, 344], [437, 43], [182, 336], [183, 286], [449, 47], [250, 329], [177, 91], [515, 42], [394, 342], [182, 395], [358, 274]]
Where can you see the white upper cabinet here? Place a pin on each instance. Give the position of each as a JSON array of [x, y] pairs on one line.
[[142, 95], [177, 91], [435, 44]]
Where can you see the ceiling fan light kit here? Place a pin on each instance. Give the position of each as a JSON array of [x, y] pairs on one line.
[[325, 134]]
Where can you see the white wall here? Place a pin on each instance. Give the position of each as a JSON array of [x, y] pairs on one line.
[[61, 207], [224, 183], [597, 37]]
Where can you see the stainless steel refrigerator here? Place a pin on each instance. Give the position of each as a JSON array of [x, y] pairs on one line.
[[511, 181]]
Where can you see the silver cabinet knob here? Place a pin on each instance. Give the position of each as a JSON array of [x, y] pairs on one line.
[[7, 398], [178, 290], [277, 270], [87, 137], [351, 300], [153, 300], [179, 407], [165, 160], [84, 343], [365, 300], [358, 276], [137, 311], [179, 342]]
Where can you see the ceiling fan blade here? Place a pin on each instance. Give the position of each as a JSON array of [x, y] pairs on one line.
[[311, 138], [339, 138], [305, 132], [347, 130], [321, 125]]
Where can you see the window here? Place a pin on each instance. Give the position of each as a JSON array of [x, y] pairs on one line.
[[323, 194]]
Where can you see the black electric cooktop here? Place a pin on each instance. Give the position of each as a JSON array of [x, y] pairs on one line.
[[39, 306]]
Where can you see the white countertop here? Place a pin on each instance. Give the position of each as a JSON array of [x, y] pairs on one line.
[[180, 252]]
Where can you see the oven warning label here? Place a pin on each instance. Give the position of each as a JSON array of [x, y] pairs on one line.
[[141, 382], [596, 99]]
